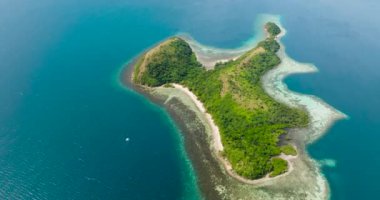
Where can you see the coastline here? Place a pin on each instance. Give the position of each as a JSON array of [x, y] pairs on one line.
[[191, 128], [209, 56], [306, 179], [216, 138]]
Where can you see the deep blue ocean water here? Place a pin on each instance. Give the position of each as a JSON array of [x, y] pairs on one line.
[[64, 118]]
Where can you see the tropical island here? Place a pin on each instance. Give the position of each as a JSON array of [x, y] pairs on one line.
[[243, 130], [249, 121]]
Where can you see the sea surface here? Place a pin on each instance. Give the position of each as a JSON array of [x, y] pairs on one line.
[[70, 130]]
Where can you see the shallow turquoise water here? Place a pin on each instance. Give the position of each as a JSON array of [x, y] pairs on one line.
[[64, 118]]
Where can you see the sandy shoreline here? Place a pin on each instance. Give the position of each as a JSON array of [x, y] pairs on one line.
[[217, 141]]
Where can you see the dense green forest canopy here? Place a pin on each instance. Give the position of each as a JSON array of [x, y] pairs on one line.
[[171, 63], [249, 120], [272, 29], [289, 150]]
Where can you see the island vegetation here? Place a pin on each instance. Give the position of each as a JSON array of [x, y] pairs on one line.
[[249, 120], [279, 167], [289, 150], [272, 29]]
